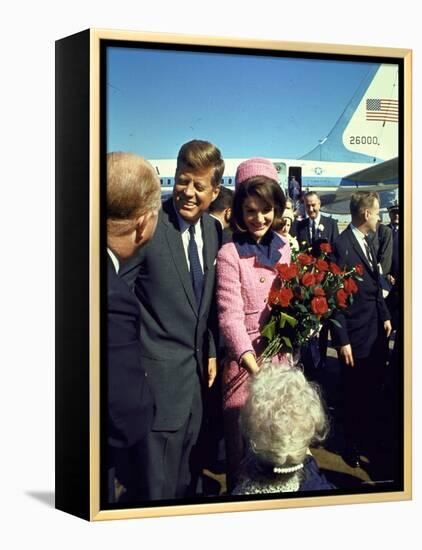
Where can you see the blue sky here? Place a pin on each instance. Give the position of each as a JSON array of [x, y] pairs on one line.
[[248, 106]]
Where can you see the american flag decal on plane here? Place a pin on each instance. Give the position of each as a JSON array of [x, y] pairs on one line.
[[384, 110]]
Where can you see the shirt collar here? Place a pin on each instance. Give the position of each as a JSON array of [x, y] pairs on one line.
[[267, 252], [114, 260], [358, 234], [217, 218], [183, 224], [317, 220]]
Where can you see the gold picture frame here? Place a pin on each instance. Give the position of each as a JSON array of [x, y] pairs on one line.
[[80, 140]]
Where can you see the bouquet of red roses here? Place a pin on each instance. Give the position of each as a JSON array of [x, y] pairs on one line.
[[305, 294]]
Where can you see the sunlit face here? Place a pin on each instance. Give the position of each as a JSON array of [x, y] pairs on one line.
[[257, 217], [287, 224], [193, 192], [372, 216], [312, 206]]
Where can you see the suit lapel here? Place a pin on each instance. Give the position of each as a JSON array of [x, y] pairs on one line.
[[175, 244], [358, 249], [325, 234], [209, 250], [304, 232]]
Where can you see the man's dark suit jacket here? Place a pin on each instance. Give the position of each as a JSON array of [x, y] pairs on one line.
[[176, 339], [130, 404], [395, 260], [382, 241], [362, 322], [301, 230]]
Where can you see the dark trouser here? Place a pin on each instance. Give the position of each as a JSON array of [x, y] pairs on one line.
[[323, 344], [310, 357], [129, 471], [173, 459], [213, 424], [363, 397], [235, 446]]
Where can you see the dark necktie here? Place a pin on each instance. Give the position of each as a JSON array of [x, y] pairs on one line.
[[313, 231], [369, 253], [195, 266]]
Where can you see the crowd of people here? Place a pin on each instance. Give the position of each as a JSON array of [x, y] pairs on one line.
[[188, 284]]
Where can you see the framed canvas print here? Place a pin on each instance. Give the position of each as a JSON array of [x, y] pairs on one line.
[[233, 276]]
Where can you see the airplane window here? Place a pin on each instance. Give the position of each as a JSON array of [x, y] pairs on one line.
[[230, 180]]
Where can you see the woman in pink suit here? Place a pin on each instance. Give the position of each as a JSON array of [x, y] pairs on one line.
[[246, 270]]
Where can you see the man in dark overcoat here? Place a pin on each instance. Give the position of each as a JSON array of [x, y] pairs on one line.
[[133, 202]]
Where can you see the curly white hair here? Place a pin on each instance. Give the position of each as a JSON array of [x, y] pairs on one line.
[[283, 415]]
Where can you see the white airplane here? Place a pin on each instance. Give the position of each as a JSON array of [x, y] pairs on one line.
[[365, 136]]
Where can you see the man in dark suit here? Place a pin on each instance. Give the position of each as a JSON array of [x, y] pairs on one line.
[[393, 299], [313, 230], [221, 210], [175, 287], [133, 202], [382, 241], [315, 227], [294, 190], [394, 214], [361, 338]]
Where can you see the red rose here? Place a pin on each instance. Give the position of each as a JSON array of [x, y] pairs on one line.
[[350, 286], [341, 297], [282, 269], [285, 295], [319, 277], [305, 259], [326, 248], [334, 268], [308, 279], [294, 271], [359, 269], [322, 265], [319, 306], [286, 271], [318, 291]]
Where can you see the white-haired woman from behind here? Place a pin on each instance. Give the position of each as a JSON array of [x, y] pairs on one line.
[[282, 417]]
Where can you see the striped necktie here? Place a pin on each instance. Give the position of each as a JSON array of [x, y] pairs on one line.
[[369, 253], [195, 266]]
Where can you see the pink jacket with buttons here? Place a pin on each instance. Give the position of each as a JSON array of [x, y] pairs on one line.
[[243, 285]]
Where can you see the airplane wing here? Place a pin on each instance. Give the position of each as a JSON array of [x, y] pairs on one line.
[[382, 178]]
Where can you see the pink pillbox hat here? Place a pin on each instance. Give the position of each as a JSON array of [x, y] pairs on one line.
[[255, 167]]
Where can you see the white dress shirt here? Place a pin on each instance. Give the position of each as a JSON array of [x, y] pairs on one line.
[[184, 231], [361, 238], [317, 220]]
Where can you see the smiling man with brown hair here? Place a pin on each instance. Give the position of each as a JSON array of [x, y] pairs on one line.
[[175, 288]]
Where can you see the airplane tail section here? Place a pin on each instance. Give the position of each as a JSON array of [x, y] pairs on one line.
[[367, 130]]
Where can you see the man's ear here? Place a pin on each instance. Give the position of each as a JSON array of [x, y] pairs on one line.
[[227, 214], [140, 227], [366, 214], [215, 192]]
